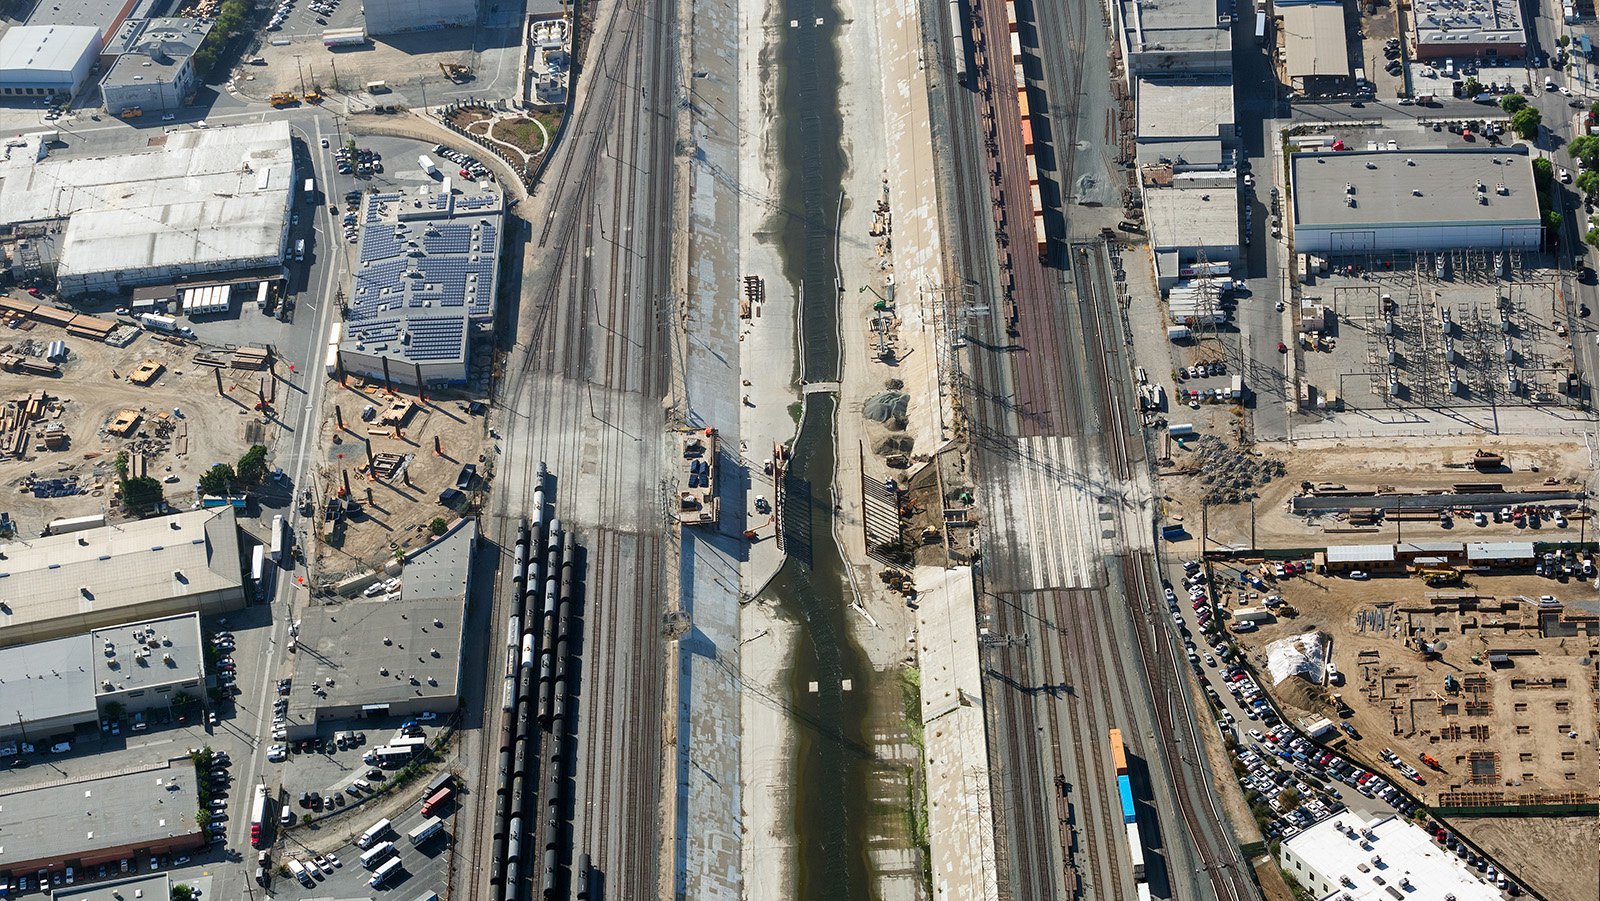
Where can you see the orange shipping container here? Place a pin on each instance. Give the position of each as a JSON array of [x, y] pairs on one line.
[[1027, 136], [1022, 104], [1119, 756]]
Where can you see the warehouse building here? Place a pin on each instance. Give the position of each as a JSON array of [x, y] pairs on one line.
[[83, 823], [47, 60], [1191, 218], [1466, 29], [151, 886], [381, 657], [1176, 37], [1351, 859], [155, 71], [1316, 52], [137, 668], [426, 276], [71, 584], [1384, 201], [1186, 123], [396, 16], [206, 201]]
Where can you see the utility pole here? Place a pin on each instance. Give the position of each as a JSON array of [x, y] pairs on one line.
[[302, 71]]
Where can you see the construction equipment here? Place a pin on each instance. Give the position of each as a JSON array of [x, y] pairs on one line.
[[132, 112], [313, 97], [1431, 761], [282, 99], [456, 73], [1441, 578]]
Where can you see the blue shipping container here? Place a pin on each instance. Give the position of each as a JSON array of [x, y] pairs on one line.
[[1125, 788]]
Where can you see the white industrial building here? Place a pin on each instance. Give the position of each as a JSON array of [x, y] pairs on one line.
[[57, 685], [155, 70], [395, 16], [427, 272], [1351, 859], [1386, 201], [1186, 123], [1176, 36], [1192, 218], [208, 201], [1316, 52], [73, 583], [47, 60]]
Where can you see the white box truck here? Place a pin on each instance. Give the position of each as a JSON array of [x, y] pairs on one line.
[[427, 165], [279, 538]]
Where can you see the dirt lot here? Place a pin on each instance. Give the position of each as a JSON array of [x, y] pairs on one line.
[[1539, 849], [1407, 465], [1528, 728], [92, 390], [396, 509]]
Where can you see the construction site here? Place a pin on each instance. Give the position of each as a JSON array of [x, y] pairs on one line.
[[77, 391], [1485, 680], [1403, 489], [391, 462]]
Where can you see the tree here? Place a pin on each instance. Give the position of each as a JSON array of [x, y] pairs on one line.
[[1513, 102], [1583, 148], [1587, 182], [1552, 221], [182, 892], [1544, 172], [218, 480], [1289, 798], [1472, 87], [438, 526], [140, 495], [1525, 122], [253, 465]]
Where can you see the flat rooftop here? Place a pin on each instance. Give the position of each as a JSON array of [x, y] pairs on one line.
[[45, 48], [1314, 41], [1404, 851], [428, 265], [1413, 187], [95, 13], [207, 197], [1185, 108], [1178, 26], [1193, 214], [48, 680], [153, 887], [155, 50], [375, 653], [124, 565], [147, 654], [1469, 23], [69, 818], [441, 569]]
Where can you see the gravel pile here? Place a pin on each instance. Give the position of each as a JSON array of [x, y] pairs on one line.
[[1230, 475]]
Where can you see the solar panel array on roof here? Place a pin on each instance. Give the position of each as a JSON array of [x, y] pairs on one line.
[[422, 262]]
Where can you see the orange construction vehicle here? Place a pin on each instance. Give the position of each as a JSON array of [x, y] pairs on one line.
[[1432, 761]]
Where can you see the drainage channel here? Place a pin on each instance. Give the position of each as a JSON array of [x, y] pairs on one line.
[[834, 760]]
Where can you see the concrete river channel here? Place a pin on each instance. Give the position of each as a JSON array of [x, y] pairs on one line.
[[834, 759]]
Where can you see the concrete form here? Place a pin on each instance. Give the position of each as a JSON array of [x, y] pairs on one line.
[[208, 201], [1414, 200], [70, 584], [87, 822]]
